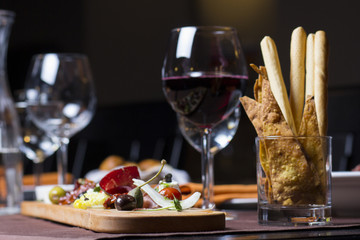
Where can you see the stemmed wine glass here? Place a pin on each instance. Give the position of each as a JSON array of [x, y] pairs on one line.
[[203, 75], [36, 144], [61, 99]]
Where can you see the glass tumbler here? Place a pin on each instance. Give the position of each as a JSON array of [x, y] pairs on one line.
[[294, 180]]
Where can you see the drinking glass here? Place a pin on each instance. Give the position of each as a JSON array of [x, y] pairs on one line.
[[36, 144], [203, 75], [294, 180], [61, 99], [11, 166]]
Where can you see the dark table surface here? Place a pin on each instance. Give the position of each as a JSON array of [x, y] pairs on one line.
[[243, 226]]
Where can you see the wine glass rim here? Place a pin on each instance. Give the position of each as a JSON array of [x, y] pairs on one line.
[[61, 54], [205, 28]]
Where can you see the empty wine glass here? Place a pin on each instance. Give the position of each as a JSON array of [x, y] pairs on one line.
[[203, 75], [36, 144], [61, 99]]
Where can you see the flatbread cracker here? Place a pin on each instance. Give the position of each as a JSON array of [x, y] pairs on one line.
[[290, 185], [258, 83], [309, 124], [274, 123], [314, 147], [293, 184], [253, 110]]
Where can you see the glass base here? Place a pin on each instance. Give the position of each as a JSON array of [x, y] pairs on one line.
[[9, 210], [292, 216]]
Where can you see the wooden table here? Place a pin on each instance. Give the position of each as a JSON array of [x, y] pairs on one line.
[[243, 226]]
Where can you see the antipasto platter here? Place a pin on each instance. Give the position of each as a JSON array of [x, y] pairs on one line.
[[123, 203]]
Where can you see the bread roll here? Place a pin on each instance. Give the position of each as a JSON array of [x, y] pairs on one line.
[[148, 163], [111, 162]]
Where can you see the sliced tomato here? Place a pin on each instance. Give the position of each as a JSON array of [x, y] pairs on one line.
[[171, 193]]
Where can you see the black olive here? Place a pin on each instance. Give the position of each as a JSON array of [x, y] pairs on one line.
[[125, 202], [168, 178]]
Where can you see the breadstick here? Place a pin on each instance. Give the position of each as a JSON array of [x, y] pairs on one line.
[[277, 85], [320, 80], [309, 82], [297, 74]]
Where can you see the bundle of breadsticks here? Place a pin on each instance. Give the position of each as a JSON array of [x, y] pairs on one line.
[[294, 167]]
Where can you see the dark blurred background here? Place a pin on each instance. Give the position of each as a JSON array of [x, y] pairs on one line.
[[125, 42]]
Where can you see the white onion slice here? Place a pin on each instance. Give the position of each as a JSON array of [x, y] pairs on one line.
[[162, 201]]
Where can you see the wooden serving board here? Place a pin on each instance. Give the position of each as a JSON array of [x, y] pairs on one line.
[[113, 221]]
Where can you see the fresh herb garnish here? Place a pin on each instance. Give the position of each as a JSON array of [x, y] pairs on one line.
[[177, 205], [97, 189]]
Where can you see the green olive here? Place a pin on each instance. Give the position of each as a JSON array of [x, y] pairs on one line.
[[55, 194]]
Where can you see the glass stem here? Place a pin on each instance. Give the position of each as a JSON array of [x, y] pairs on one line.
[[38, 169], [207, 171], [62, 160]]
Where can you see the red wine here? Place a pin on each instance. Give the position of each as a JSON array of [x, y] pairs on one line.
[[204, 100]]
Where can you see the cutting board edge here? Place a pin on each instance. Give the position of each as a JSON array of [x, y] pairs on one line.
[[209, 221], [46, 211]]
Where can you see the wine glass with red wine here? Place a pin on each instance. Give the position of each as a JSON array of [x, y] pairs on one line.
[[203, 75]]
